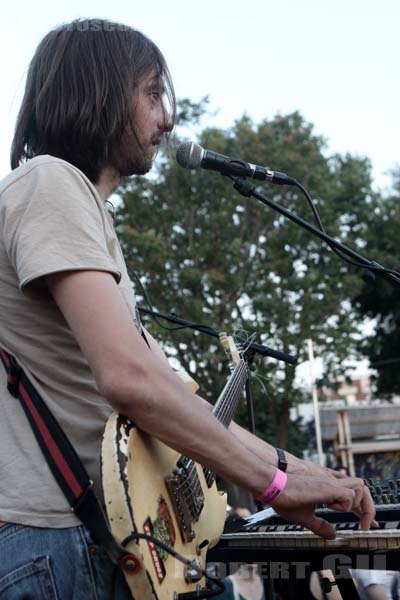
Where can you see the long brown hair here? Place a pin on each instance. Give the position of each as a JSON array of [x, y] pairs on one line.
[[78, 96]]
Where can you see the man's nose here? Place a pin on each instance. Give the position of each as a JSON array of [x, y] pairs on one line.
[[165, 118], [168, 121]]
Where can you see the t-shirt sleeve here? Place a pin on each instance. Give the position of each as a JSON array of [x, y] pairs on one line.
[[52, 222]]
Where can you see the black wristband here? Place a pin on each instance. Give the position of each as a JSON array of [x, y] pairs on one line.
[[282, 460]]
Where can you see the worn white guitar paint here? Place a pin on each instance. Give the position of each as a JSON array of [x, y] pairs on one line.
[[150, 488]]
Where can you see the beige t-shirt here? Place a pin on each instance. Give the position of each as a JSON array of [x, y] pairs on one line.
[[51, 219]]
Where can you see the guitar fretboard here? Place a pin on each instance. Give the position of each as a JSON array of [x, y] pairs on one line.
[[227, 404]]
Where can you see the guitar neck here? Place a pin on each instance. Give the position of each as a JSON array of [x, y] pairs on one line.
[[229, 398], [224, 410], [227, 404]]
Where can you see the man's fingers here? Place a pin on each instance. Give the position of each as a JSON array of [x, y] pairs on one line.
[[363, 506], [359, 494], [343, 500], [336, 474], [375, 524], [367, 516], [338, 506], [320, 527], [351, 482], [302, 493]]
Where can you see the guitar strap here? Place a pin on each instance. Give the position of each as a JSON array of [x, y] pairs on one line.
[[65, 464]]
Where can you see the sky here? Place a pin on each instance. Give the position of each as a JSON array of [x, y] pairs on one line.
[[334, 61]]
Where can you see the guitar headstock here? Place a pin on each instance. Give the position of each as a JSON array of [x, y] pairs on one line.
[[228, 343]]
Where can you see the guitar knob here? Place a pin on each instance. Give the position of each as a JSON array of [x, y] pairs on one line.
[[199, 547], [192, 574]]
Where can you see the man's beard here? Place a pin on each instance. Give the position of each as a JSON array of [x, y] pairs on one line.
[[129, 157], [133, 165]]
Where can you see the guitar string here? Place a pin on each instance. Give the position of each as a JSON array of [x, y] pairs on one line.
[[193, 485], [235, 384], [226, 408], [226, 417], [224, 414]]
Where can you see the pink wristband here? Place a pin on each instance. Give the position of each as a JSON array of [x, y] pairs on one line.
[[274, 489]]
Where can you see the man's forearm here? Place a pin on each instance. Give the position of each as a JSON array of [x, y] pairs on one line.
[[260, 448], [263, 450]]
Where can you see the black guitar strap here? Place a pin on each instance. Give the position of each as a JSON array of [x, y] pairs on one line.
[[65, 464]]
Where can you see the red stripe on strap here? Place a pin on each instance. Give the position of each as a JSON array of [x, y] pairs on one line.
[[5, 357], [58, 458]]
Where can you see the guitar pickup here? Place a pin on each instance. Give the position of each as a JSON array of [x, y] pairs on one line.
[[177, 488]]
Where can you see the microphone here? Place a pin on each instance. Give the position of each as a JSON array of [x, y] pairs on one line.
[[193, 156]]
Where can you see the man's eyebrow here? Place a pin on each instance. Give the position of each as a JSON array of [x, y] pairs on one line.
[[158, 83]]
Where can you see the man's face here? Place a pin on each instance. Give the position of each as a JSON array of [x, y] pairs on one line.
[[150, 121]]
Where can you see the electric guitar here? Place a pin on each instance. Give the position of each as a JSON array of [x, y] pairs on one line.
[[150, 488]]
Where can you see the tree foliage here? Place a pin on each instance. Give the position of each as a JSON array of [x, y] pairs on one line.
[[211, 256], [379, 299]]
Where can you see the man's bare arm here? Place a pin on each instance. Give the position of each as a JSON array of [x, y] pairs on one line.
[[266, 452], [140, 384]]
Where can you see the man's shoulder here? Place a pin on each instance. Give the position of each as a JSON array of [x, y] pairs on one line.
[[44, 165]]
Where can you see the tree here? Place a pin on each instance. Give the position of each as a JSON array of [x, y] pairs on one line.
[[379, 299], [214, 257]]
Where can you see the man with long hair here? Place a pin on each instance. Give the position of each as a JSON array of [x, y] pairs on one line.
[[98, 103]]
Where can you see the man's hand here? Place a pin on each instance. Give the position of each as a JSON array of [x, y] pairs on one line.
[[297, 502], [302, 467], [363, 506], [299, 466]]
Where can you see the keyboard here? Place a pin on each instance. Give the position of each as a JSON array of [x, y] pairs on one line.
[[267, 529]]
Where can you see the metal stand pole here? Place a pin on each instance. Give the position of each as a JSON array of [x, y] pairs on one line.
[[315, 403]]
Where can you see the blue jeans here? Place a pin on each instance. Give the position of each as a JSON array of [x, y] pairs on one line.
[[56, 564]]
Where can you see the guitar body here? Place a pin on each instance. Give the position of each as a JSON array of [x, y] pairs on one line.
[[134, 469]]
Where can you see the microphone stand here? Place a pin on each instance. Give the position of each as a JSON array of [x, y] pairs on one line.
[[251, 350], [248, 189], [256, 348]]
